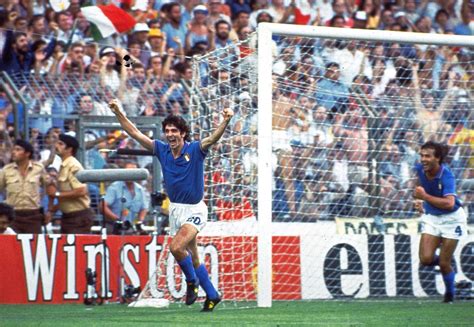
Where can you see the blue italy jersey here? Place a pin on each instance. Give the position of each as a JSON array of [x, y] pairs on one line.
[[443, 184], [183, 176]]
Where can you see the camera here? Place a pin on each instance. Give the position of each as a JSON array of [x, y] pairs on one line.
[[120, 226], [130, 293], [157, 199], [91, 296], [91, 277]]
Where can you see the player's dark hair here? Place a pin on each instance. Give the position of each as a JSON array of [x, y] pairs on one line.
[[8, 211], [440, 150], [179, 123]]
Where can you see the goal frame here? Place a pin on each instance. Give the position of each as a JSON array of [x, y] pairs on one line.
[[265, 31]]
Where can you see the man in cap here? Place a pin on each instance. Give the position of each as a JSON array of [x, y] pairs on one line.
[[155, 39], [72, 195], [109, 76], [140, 35], [22, 180]]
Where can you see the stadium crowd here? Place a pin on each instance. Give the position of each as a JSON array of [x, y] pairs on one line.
[[323, 139]]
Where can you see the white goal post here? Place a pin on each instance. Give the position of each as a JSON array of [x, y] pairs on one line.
[[265, 65]]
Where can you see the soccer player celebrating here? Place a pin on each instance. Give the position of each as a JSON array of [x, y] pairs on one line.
[[182, 164], [443, 219]]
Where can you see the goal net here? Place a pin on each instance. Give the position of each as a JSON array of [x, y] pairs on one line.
[[310, 189]]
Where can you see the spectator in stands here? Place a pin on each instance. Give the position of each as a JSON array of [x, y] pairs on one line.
[[225, 50], [360, 19], [320, 129], [241, 21], [7, 216], [428, 113], [331, 93], [124, 203], [423, 25], [17, 57], [341, 12], [72, 195], [232, 204], [336, 180], [391, 163], [354, 136], [101, 101], [22, 181], [41, 104], [109, 75], [465, 27], [140, 38], [441, 22], [198, 29], [409, 145], [410, 9], [74, 57], [175, 27], [216, 13], [129, 93], [239, 6], [157, 44], [66, 33], [312, 204], [372, 13], [287, 198], [245, 119], [337, 21], [37, 29]]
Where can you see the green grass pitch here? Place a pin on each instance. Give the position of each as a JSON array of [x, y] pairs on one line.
[[384, 312]]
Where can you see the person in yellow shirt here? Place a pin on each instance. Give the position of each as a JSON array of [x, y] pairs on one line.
[[23, 181], [72, 195]]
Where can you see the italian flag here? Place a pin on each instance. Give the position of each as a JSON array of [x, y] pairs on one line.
[[107, 20], [302, 12]]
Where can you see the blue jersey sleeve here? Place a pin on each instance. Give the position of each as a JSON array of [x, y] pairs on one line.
[[158, 146], [198, 149], [449, 184]]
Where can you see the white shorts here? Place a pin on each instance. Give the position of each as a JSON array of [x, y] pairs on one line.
[[192, 214], [452, 225]]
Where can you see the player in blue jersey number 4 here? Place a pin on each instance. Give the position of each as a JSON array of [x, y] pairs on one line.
[[182, 164], [443, 219]]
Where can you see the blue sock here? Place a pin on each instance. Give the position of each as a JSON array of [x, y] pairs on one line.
[[449, 282], [205, 282], [187, 267]]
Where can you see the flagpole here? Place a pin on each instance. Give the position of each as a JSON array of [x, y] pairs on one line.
[[73, 30]]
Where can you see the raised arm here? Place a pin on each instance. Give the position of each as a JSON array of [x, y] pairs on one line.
[[449, 93], [214, 137], [416, 85], [129, 127]]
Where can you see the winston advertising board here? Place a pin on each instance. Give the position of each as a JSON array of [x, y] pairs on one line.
[[51, 269]]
